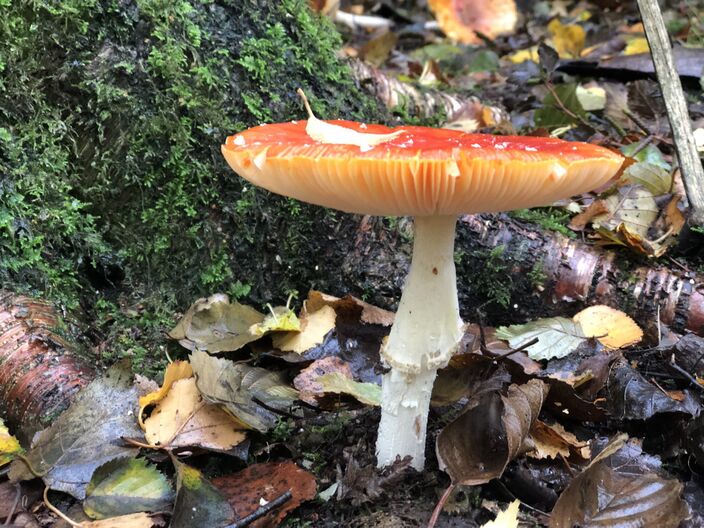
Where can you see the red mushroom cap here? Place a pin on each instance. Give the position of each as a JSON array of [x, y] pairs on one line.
[[422, 171]]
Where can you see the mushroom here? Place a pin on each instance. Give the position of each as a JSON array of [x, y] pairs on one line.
[[433, 175]]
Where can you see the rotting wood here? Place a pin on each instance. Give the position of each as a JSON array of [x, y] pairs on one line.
[[544, 273], [676, 106], [39, 370]]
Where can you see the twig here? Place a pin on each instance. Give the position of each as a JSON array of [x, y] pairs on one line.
[[354, 22], [11, 513], [519, 349], [676, 106], [566, 110], [58, 512], [686, 374], [262, 511], [440, 505]]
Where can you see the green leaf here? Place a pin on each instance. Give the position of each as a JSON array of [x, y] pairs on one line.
[[552, 115], [86, 435], [216, 325], [557, 337], [366, 393], [124, 486], [650, 154], [198, 502], [654, 178]]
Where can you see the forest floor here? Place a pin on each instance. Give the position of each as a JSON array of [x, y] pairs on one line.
[[617, 441]]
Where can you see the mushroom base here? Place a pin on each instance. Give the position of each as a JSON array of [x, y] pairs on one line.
[[425, 334]]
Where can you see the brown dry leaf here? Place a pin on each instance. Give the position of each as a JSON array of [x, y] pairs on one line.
[[613, 328], [370, 314], [462, 19], [478, 445], [307, 380], [580, 221], [314, 327], [133, 520], [247, 490], [602, 496], [551, 440], [183, 419], [174, 372]]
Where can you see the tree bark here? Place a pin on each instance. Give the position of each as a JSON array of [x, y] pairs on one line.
[[40, 371], [515, 272]]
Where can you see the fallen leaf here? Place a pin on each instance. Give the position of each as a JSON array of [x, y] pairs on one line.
[[126, 486], [86, 435], [462, 19], [280, 319], [370, 314], [552, 440], [637, 45], [478, 445], [314, 327], [376, 50], [337, 383], [520, 56], [654, 178], [612, 328], [580, 221], [552, 113], [557, 337], [633, 207], [567, 39], [183, 419], [610, 497], [507, 518], [174, 372], [591, 98], [329, 133], [9, 445], [198, 502], [363, 483], [133, 520], [307, 384], [632, 397], [258, 484], [236, 386], [216, 325]]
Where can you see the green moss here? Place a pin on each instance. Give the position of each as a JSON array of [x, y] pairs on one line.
[[493, 282], [551, 218], [112, 185], [537, 274]]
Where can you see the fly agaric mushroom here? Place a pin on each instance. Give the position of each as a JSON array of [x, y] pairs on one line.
[[433, 175]]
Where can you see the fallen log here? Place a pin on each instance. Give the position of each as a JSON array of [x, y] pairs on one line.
[[516, 271], [40, 371]]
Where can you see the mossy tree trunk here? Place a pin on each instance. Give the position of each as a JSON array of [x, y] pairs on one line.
[[112, 113]]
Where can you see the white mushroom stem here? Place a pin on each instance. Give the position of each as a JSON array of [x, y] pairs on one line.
[[425, 334]]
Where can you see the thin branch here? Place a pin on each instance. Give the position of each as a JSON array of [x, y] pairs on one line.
[[262, 511], [440, 505]]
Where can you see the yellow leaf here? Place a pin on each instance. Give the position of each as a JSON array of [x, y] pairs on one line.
[[182, 419], [568, 39], [530, 54], [315, 327], [174, 372], [281, 319], [591, 97], [613, 328], [9, 446], [507, 518], [133, 520], [637, 45]]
